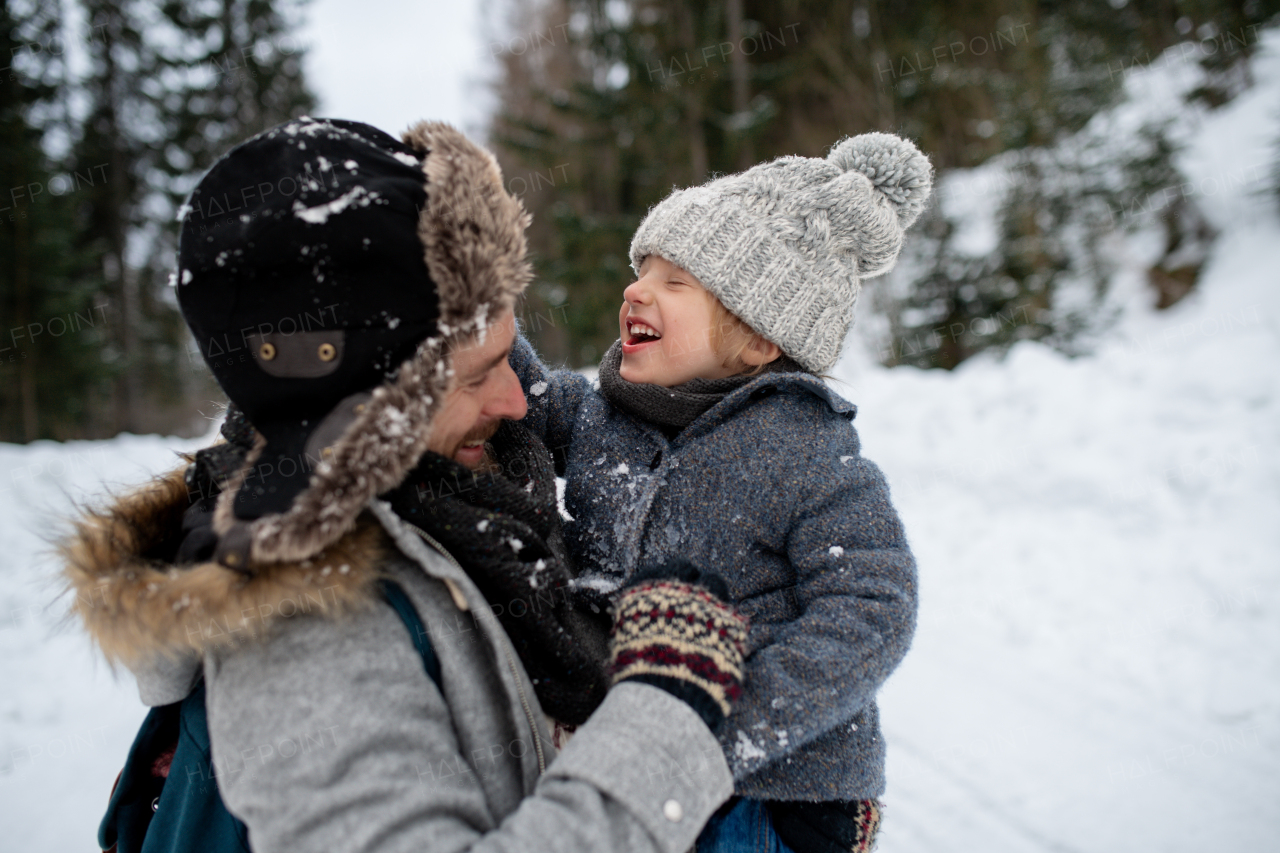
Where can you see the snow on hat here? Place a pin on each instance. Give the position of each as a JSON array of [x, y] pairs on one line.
[[784, 245]]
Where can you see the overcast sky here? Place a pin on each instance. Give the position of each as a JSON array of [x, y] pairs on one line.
[[392, 62]]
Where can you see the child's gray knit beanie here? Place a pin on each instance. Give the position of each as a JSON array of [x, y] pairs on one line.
[[784, 245]]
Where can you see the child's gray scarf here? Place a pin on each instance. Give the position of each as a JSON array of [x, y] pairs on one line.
[[673, 408]]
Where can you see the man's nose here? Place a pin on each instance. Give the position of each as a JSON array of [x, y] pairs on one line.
[[509, 400]]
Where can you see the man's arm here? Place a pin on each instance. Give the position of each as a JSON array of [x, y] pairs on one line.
[[331, 737]]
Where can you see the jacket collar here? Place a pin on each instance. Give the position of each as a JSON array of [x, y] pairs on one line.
[[136, 606], [794, 384], [139, 609]]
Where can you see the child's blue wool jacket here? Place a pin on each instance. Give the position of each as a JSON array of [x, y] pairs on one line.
[[769, 489]]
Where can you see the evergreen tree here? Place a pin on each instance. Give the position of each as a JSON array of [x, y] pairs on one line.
[[623, 100], [51, 321], [169, 89], [229, 70], [110, 149], [1064, 195], [98, 164]]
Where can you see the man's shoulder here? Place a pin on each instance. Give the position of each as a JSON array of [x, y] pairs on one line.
[[361, 651], [139, 606]]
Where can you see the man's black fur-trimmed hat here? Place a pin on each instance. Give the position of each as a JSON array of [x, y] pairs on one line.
[[322, 266]]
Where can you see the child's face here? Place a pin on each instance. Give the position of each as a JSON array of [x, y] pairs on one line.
[[666, 326]]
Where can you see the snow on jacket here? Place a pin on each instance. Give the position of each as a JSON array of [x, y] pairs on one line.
[[328, 735], [768, 487]]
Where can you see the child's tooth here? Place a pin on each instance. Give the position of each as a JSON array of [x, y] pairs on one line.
[[645, 330]]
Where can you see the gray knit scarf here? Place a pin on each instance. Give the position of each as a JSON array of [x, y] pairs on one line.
[[676, 407]]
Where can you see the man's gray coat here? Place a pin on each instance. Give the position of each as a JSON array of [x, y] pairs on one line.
[[328, 734]]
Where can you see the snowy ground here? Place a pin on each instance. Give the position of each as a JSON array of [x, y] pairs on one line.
[[1097, 666]]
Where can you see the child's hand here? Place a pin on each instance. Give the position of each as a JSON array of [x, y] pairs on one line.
[[673, 630]]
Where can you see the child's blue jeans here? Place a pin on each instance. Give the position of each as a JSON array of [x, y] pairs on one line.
[[744, 828]]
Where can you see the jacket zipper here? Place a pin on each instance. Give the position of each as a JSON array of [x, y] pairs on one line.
[[515, 673]]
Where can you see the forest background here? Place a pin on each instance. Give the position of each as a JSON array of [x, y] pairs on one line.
[[110, 110]]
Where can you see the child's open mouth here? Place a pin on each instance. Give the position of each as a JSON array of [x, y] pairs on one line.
[[639, 334]]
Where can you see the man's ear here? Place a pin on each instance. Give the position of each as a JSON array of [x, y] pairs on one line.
[[760, 351]]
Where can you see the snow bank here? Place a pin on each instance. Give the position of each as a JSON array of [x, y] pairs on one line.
[[66, 721]]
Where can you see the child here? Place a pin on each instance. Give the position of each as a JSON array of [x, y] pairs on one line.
[[712, 437]]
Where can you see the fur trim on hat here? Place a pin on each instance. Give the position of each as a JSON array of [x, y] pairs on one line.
[[472, 229]]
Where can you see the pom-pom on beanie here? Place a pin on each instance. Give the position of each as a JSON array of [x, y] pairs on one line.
[[785, 245]]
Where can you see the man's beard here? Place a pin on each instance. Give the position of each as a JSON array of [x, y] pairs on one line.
[[482, 434]]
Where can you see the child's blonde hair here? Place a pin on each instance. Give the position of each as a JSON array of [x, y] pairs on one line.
[[731, 337]]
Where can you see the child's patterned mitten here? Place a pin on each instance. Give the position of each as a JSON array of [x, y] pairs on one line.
[[672, 629]]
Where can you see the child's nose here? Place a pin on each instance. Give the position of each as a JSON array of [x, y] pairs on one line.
[[636, 293]]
